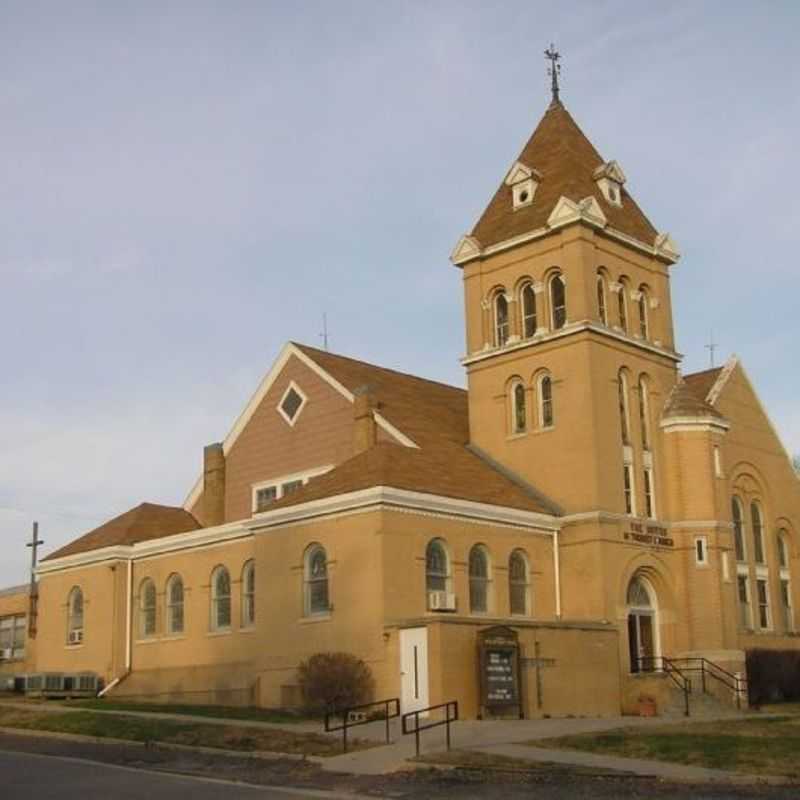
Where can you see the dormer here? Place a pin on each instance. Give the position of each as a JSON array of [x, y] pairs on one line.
[[523, 182], [609, 178]]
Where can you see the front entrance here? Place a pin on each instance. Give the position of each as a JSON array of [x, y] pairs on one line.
[[413, 669], [642, 628]]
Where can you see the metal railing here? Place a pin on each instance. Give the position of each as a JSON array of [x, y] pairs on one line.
[[417, 729], [348, 721], [708, 669], [669, 667]]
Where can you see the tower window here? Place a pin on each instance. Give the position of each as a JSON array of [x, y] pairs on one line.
[[758, 533], [644, 416], [627, 478], [500, 319], [649, 504], [519, 410], [546, 416], [623, 309], [528, 297], [738, 529], [602, 312], [643, 321], [623, 407], [558, 301]]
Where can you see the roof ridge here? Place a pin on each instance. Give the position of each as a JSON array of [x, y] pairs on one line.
[[306, 347]]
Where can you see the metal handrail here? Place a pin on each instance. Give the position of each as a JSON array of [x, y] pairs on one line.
[[733, 682], [417, 729], [670, 668], [348, 723]]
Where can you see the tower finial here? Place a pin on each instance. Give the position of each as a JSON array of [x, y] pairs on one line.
[[554, 70]]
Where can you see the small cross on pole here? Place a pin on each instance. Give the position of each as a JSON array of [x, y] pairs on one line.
[[324, 334], [711, 347], [33, 597], [554, 70]]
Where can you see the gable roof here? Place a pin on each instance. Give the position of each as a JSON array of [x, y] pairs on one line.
[[566, 160], [142, 523], [426, 411]]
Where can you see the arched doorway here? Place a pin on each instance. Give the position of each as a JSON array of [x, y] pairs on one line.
[[642, 625]]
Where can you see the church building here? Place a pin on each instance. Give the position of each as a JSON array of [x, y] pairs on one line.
[[602, 514]]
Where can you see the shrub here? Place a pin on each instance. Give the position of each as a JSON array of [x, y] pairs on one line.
[[331, 681], [773, 675]]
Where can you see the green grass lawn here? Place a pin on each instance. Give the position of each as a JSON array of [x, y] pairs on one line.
[[757, 746], [219, 712], [140, 729]]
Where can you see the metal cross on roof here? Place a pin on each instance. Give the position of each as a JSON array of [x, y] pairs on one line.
[[554, 70], [712, 347]]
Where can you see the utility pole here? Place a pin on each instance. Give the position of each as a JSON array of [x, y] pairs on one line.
[[33, 596]]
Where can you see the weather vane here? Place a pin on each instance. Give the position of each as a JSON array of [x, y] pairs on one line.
[[554, 70]]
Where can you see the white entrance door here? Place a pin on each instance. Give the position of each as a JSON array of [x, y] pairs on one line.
[[413, 669]]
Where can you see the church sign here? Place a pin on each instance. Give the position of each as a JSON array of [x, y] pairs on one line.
[[650, 534], [498, 658]]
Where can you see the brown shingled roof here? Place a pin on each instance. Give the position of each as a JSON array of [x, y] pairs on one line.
[[144, 522], [449, 469], [684, 401], [701, 383], [566, 159], [424, 410]]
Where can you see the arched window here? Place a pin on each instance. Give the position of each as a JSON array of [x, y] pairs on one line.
[[220, 599], [643, 322], [644, 413], [519, 413], [622, 301], [783, 549], [147, 608], [437, 565], [478, 580], [558, 301], [528, 303], [317, 595], [75, 616], [738, 529], [500, 319], [624, 417], [545, 394], [518, 584], [638, 595], [175, 604], [249, 594], [758, 533], [602, 311]]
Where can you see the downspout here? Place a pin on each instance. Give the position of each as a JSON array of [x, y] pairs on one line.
[[557, 570], [128, 611]]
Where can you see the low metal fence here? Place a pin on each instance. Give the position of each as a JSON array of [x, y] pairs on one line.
[[451, 705], [391, 709]]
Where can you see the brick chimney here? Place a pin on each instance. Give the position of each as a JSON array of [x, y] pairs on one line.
[[213, 485], [364, 428]]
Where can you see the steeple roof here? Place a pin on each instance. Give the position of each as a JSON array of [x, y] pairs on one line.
[[566, 160]]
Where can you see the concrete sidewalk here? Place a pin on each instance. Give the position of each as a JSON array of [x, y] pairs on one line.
[[508, 738]]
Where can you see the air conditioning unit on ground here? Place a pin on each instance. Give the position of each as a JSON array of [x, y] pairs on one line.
[[76, 636], [441, 601]]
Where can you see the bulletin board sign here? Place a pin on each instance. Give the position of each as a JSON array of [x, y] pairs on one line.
[[498, 664]]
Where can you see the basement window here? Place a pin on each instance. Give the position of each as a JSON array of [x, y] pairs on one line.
[[292, 403]]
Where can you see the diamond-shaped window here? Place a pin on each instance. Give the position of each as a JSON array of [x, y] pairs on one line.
[[291, 404]]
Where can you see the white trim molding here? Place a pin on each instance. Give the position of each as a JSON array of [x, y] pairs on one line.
[[703, 422], [402, 499]]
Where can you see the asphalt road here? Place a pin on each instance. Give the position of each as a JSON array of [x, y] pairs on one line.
[[34, 777]]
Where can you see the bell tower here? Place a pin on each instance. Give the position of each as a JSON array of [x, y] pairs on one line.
[[569, 339]]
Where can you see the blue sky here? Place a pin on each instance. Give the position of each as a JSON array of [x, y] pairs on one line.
[[187, 186]]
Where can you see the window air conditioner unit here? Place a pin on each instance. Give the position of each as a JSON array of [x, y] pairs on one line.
[[5, 654], [441, 601], [76, 637]]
